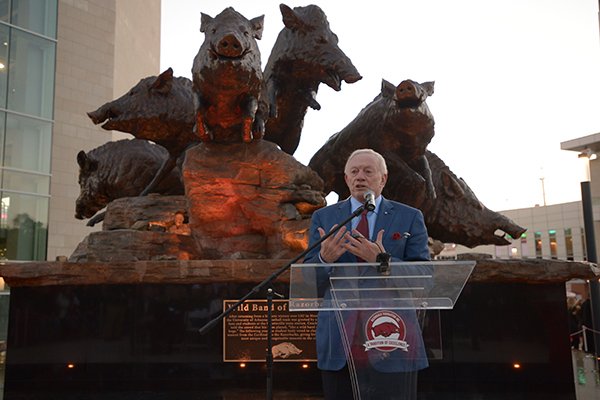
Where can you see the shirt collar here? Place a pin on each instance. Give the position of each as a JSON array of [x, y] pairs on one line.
[[354, 204]]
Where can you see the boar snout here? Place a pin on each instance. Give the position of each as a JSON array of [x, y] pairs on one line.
[[230, 46]]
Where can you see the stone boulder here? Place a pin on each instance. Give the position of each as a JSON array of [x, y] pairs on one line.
[[249, 200]]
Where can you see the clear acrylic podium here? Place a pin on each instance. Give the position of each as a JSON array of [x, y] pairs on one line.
[[371, 317]]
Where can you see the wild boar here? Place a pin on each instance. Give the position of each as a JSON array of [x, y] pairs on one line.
[[305, 55], [120, 169], [160, 109], [398, 125], [456, 215], [227, 78]]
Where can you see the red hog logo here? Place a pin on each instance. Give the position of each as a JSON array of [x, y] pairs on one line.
[[385, 331]]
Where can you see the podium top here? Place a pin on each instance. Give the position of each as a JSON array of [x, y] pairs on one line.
[[364, 286]]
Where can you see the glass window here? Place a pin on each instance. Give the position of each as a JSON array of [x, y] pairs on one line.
[[569, 244], [31, 74], [3, 64], [25, 182], [538, 244], [501, 252], [553, 245], [23, 227], [4, 10], [524, 248], [35, 15], [2, 135], [27, 144]]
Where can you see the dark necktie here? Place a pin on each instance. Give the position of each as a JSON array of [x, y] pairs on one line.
[[363, 225], [356, 319], [363, 229]]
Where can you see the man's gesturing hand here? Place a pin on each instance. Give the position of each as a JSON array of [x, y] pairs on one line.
[[332, 247], [362, 247]]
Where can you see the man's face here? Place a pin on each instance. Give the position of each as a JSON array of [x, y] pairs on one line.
[[362, 173]]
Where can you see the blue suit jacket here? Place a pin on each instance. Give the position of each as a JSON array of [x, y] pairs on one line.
[[396, 219]]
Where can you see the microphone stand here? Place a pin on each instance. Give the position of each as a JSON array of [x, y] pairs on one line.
[[210, 324]]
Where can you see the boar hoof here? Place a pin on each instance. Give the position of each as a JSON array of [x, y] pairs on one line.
[[202, 133], [258, 132], [247, 131], [247, 137]]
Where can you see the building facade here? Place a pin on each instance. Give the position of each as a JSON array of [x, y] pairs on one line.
[[58, 60], [103, 48]]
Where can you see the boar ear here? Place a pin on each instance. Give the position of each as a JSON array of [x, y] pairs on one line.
[[81, 159], [257, 25], [86, 163], [428, 86], [451, 187], [204, 20], [290, 19], [387, 89], [163, 82]]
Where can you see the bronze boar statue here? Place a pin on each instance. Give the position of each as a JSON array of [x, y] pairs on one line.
[[305, 55], [120, 169], [398, 125], [227, 79], [160, 109]]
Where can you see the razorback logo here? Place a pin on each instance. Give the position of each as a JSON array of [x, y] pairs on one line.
[[385, 331]]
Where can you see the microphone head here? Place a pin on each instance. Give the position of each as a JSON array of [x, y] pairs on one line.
[[369, 200]]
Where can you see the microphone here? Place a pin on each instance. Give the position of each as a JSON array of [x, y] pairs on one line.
[[369, 200]]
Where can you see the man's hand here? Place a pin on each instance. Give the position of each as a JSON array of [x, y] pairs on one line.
[[362, 247], [333, 247]]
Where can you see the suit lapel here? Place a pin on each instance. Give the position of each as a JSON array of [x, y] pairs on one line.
[[344, 211], [385, 216]]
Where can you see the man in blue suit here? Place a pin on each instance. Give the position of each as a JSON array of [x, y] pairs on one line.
[[395, 229]]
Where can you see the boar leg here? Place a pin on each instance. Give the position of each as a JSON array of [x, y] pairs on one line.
[[311, 97], [403, 176], [421, 166], [258, 128], [272, 93], [96, 218], [200, 127], [249, 112], [166, 167]]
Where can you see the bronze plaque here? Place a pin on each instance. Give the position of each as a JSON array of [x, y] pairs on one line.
[[245, 333]]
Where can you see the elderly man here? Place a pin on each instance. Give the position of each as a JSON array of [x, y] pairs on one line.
[[392, 228]]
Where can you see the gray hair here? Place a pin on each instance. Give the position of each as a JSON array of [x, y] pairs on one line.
[[380, 159]]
